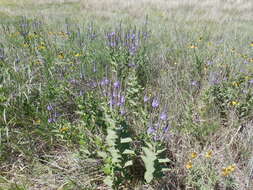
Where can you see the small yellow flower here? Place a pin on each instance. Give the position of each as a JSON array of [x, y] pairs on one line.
[[194, 155], [25, 45], [77, 55], [235, 84], [193, 47], [251, 44], [189, 165], [234, 103], [225, 172], [228, 170], [61, 56], [63, 129], [41, 47], [231, 168], [37, 122], [209, 154]]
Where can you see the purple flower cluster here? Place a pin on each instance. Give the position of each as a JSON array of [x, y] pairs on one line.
[[127, 39]]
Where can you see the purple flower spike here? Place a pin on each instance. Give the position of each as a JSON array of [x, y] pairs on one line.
[[155, 103], [122, 99], [163, 116], [116, 84]]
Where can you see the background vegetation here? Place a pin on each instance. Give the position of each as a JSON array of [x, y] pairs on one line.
[[113, 94]]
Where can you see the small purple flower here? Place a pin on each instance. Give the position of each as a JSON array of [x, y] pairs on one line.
[[122, 112], [151, 130], [81, 93], [49, 107], [131, 65], [251, 81], [116, 84], [146, 98], [51, 120], [166, 128], [94, 68], [209, 62], [122, 99], [163, 116], [113, 44], [73, 81], [111, 102], [194, 83], [155, 103], [105, 81]]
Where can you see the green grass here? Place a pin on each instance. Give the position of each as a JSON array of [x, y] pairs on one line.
[[54, 123]]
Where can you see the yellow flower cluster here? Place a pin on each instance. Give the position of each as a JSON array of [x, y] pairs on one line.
[[194, 155], [209, 154], [189, 165], [228, 170]]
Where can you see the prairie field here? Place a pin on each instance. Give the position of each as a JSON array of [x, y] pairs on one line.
[[126, 94]]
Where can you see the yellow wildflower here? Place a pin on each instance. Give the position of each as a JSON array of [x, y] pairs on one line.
[[41, 47], [77, 55], [231, 168], [193, 47], [234, 103], [209, 154], [37, 122], [63, 129], [194, 155], [228, 170], [225, 172], [189, 165], [251, 44], [61, 56], [235, 84]]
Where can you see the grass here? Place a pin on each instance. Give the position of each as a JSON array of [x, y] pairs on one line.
[[58, 114]]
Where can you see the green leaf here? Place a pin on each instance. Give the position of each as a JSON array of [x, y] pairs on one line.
[[128, 163], [102, 154], [108, 181], [107, 169], [164, 160], [126, 140], [127, 151], [160, 151]]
